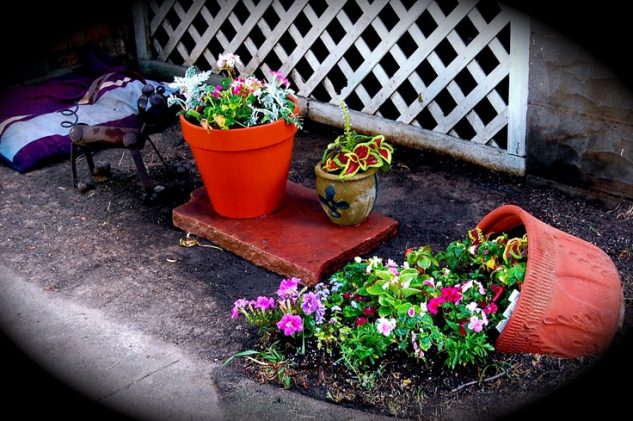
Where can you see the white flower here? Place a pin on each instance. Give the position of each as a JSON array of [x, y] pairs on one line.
[[466, 286], [228, 61], [472, 307], [358, 259], [373, 263]]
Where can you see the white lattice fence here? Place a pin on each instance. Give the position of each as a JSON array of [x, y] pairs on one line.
[[457, 68]]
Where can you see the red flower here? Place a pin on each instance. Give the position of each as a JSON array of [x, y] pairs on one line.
[[462, 328], [347, 295], [497, 290], [360, 321], [490, 308], [369, 311]]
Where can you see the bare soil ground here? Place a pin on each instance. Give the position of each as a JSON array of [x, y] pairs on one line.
[[109, 250]]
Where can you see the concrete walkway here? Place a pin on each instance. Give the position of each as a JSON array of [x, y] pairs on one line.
[[127, 371]]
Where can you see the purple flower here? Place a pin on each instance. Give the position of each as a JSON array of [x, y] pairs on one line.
[[264, 303], [290, 324], [411, 312], [288, 288], [237, 306], [312, 304]]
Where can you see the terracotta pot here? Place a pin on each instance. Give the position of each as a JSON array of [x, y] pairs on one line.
[[349, 201], [243, 170], [571, 301]]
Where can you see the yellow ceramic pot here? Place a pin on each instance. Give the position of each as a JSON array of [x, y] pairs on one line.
[[349, 201]]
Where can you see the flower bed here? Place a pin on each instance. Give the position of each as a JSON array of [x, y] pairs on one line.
[[446, 305]]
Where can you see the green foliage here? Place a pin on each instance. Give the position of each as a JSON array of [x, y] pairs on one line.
[[444, 304]]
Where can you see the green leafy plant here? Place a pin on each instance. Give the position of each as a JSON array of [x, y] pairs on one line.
[[351, 152], [236, 101]]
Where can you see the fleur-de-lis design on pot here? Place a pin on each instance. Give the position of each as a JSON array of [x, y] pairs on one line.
[[332, 204]]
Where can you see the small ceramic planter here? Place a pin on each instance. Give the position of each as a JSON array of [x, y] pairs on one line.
[[346, 202], [571, 301]]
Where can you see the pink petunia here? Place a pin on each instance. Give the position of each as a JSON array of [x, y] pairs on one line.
[[290, 324], [264, 303], [238, 305], [288, 288]]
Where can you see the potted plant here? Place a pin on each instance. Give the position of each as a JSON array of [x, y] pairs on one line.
[[346, 175], [571, 302], [241, 133]]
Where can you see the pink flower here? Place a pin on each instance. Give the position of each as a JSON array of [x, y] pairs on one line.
[[280, 77], [434, 304], [288, 288], [237, 306], [476, 324], [430, 282], [290, 324], [452, 294], [264, 303], [216, 91], [411, 312], [385, 326]]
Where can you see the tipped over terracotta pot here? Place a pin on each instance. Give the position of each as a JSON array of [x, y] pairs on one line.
[[571, 301]]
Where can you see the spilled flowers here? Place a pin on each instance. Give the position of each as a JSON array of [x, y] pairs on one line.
[[449, 305]]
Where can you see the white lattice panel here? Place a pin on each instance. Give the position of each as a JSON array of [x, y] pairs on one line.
[[458, 68]]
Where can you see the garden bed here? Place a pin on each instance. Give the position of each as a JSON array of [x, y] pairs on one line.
[[120, 256]]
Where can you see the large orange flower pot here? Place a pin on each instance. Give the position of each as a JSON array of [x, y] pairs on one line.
[[571, 301], [243, 170]]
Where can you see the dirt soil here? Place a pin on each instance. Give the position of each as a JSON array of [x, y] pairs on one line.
[[109, 250]]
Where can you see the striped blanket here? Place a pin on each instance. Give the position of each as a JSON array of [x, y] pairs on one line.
[[35, 120]]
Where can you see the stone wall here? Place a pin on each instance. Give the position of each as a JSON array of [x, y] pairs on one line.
[[580, 118]]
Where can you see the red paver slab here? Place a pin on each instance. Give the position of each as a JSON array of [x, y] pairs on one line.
[[296, 240]]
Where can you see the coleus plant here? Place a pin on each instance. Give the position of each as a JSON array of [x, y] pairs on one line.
[[351, 152]]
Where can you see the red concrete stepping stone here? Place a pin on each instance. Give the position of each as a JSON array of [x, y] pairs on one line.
[[296, 240]]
